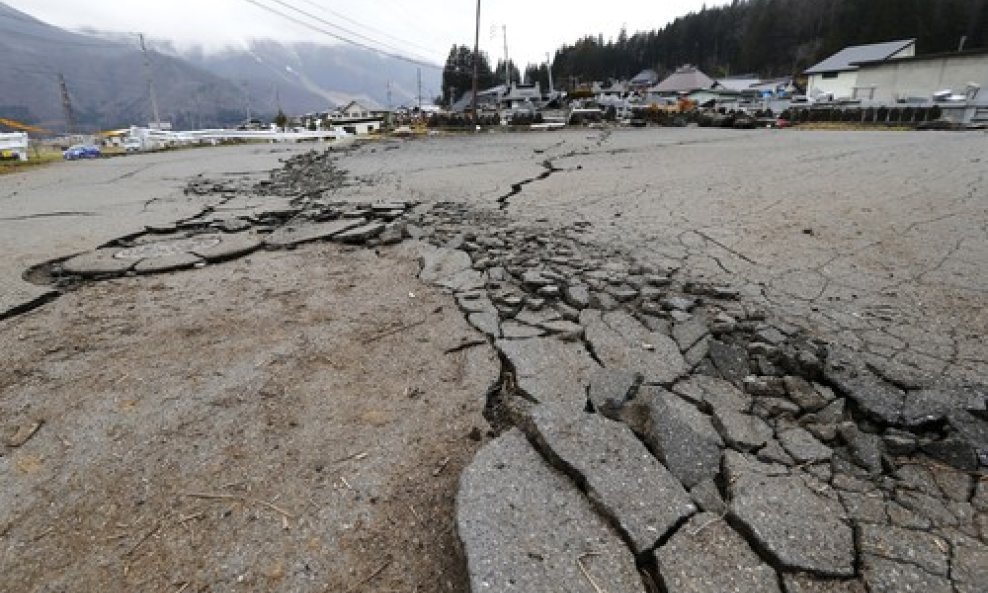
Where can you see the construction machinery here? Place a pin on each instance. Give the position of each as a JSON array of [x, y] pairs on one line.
[[14, 145], [16, 125]]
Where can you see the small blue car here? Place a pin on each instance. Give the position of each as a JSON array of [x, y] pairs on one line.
[[82, 151]]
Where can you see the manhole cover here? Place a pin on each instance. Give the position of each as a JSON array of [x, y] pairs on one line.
[[168, 248]]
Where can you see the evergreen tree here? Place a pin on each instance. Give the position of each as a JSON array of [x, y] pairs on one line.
[[280, 119], [773, 37], [499, 72], [458, 73]]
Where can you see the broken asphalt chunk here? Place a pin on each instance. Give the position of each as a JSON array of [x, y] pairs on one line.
[[98, 263], [621, 341], [229, 247], [621, 477], [706, 555], [527, 527], [293, 234], [801, 528], [550, 370], [681, 436]]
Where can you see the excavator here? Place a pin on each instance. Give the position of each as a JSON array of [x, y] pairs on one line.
[[16, 125]]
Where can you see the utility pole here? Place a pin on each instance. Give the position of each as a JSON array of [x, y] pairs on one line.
[[147, 70], [66, 104], [390, 105], [246, 99], [198, 102], [507, 70], [548, 67], [419, 71], [476, 63]]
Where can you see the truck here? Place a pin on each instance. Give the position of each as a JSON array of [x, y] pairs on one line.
[[133, 144], [13, 146]]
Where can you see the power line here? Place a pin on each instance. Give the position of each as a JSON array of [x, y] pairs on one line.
[[43, 72], [298, 21], [95, 43], [340, 28], [368, 27]]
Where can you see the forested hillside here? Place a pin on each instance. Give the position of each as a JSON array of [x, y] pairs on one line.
[[773, 37]]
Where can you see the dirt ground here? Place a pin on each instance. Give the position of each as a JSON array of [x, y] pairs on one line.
[[292, 421]]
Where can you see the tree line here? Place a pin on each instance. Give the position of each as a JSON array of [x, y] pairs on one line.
[[764, 37], [775, 37]]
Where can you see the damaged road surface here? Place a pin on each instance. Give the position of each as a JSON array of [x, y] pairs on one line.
[[262, 394]]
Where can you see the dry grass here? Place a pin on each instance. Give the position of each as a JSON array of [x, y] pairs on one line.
[[852, 127], [37, 158]]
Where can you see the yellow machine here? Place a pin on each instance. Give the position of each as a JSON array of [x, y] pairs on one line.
[[16, 125]]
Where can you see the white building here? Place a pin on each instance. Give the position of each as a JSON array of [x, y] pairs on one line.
[[358, 119], [918, 78], [523, 96], [836, 77]]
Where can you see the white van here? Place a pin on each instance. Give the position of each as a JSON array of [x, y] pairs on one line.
[[133, 144]]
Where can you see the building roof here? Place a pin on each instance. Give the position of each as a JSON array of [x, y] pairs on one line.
[[684, 79], [646, 77], [484, 97], [363, 104], [613, 86], [523, 91], [968, 53], [736, 84], [849, 57]]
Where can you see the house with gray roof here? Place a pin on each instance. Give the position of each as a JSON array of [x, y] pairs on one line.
[[685, 79], [644, 79], [837, 76], [737, 84]]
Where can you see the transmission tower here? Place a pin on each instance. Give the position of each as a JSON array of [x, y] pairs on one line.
[[147, 70], [66, 104]]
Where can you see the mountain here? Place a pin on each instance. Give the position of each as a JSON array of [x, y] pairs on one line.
[[105, 79], [107, 82], [305, 77], [775, 37]]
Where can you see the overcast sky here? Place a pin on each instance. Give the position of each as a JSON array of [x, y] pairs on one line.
[[424, 29]]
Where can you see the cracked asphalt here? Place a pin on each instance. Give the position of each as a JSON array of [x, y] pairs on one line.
[[875, 239], [71, 207]]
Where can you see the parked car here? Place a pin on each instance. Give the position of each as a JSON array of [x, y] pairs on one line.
[[133, 145], [82, 151], [743, 121]]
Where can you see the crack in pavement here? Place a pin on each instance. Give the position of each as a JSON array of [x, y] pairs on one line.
[[730, 250], [516, 188], [66, 214]]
